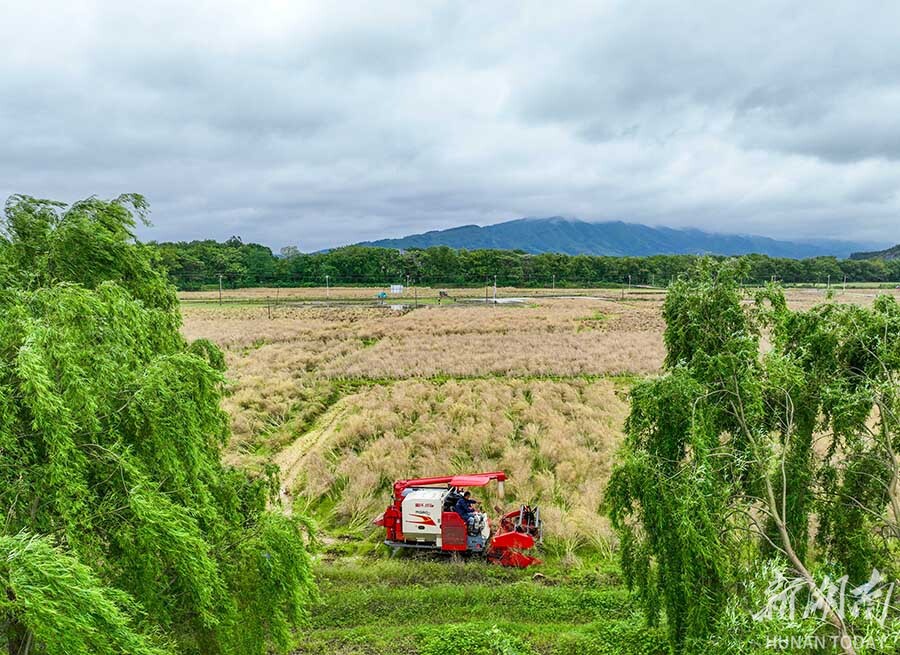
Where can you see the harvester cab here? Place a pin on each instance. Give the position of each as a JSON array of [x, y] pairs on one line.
[[423, 515]]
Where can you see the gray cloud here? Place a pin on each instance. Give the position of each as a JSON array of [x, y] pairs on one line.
[[331, 123]]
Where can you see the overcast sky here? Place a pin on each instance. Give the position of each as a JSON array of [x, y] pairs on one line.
[[319, 124]]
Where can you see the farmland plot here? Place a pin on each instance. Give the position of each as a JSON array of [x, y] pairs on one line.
[[284, 371], [346, 399]]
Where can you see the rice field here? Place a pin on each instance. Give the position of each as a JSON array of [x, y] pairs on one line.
[[282, 369], [547, 337], [347, 398], [804, 298]]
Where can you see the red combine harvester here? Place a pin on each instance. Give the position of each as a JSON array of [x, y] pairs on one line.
[[422, 515]]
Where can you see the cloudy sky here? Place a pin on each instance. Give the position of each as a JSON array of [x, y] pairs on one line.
[[331, 122]]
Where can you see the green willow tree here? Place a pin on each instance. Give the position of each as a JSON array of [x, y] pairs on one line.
[[122, 531], [732, 456]]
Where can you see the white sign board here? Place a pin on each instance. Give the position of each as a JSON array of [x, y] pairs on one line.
[[397, 288]]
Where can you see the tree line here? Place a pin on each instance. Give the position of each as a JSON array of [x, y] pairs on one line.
[[193, 265]]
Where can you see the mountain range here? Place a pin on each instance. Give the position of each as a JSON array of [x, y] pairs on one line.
[[575, 237], [889, 253]]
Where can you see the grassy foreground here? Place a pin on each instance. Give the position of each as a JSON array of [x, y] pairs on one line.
[[419, 606]]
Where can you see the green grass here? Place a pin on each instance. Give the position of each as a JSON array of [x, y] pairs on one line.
[[592, 322], [417, 605]]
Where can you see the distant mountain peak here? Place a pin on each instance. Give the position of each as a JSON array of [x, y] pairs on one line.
[[575, 237], [888, 253], [548, 219]]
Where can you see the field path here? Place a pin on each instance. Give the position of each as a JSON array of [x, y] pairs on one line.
[[290, 459]]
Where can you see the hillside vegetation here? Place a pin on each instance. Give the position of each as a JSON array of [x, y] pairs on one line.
[[889, 254]]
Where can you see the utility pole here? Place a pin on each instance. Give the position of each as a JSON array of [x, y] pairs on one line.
[[495, 289], [220, 288], [327, 288], [416, 294], [554, 281]]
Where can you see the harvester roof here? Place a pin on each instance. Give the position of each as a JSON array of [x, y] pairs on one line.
[[467, 480], [470, 480]]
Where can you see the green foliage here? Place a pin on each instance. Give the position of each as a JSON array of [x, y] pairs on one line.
[[848, 358], [473, 640], [730, 455], [668, 494], [119, 516], [66, 608], [197, 263], [452, 602], [628, 637], [88, 242], [369, 605]]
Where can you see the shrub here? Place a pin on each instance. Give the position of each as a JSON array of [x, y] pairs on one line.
[[473, 639]]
